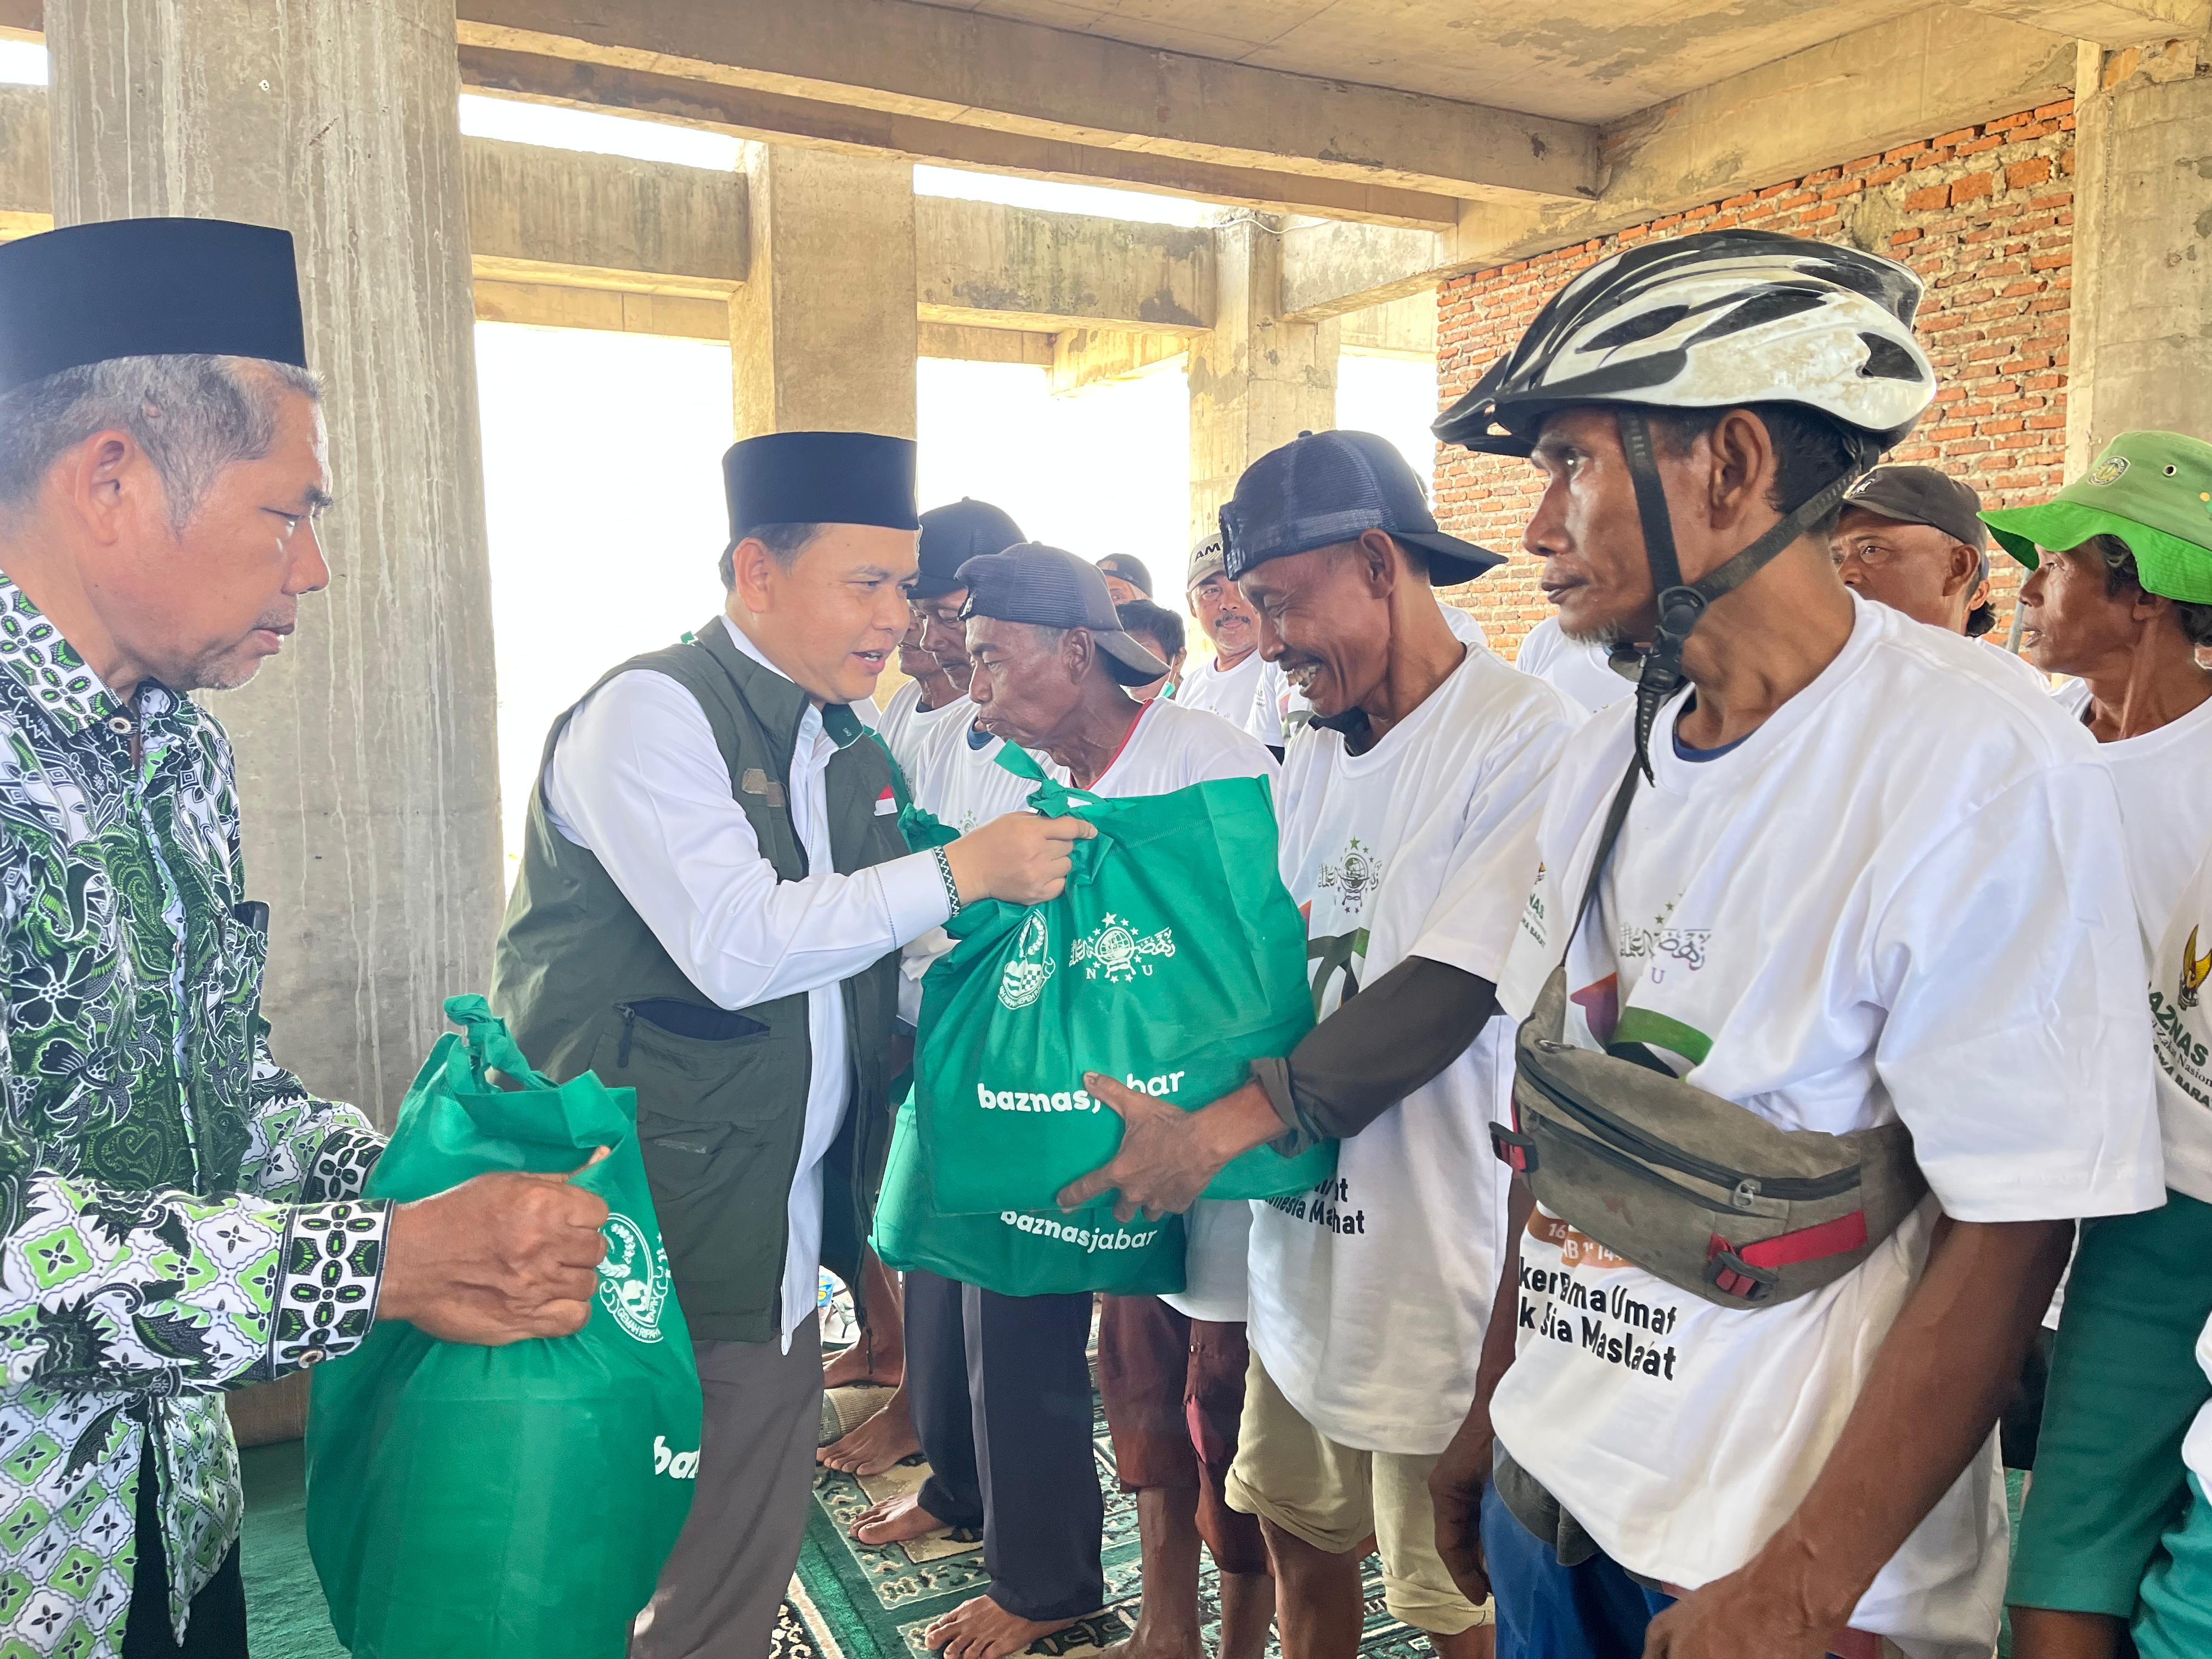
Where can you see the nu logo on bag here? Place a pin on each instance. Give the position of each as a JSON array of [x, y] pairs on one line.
[[1021, 981], [633, 1279], [1113, 945]]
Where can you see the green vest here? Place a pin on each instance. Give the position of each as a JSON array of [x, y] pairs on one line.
[[721, 1097]]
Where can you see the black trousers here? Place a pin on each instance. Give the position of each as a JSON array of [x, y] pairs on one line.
[[1000, 1392], [217, 1626]]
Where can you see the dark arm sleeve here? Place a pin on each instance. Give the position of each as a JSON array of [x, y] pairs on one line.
[[1396, 1034]]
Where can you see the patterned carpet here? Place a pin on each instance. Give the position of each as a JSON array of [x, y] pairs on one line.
[[852, 1601]]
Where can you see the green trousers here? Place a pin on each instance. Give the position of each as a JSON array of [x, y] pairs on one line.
[[2174, 1620], [2124, 1387]]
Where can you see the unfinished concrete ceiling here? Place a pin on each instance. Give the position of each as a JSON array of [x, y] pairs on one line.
[[1579, 60]]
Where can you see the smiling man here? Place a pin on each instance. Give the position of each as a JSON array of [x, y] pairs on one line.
[[1408, 812], [1226, 683], [712, 896], [181, 1215]]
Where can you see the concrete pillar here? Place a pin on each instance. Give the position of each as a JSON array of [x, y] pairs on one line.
[[1255, 382], [822, 335], [368, 767], [2141, 351]]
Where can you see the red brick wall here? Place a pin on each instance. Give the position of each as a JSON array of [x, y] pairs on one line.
[[1984, 215]]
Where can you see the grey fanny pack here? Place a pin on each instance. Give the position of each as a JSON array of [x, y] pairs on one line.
[[1692, 1188]]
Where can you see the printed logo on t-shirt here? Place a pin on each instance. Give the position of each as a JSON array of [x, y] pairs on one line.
[[1021, 981], [2194, 971], [1330, 956], [1355, 874], [1602, 1319], [1329, 1205], [1663, 946], [1116, 947], [2181, 1055]]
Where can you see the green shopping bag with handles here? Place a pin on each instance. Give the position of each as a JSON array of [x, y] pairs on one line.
[[518, 1502], [1172, 960], [1016, 1252]]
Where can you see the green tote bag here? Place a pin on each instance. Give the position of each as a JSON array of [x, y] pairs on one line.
[[518, 1502], [1174, 958]]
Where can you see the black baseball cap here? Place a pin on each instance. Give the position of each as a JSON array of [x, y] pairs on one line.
[[1921, 494], [955, 534], [1322, 487], [1130, 569], [1034, 583]]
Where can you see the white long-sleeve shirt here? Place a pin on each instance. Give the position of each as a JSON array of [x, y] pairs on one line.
[[638, 781]]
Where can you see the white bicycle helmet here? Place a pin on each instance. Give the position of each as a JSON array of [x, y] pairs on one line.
[[1718, 320]]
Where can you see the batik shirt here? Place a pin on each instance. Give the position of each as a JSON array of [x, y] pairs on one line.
[[177, 1212]]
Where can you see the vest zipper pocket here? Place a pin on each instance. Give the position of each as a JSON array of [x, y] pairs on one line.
[[1605, 1127]]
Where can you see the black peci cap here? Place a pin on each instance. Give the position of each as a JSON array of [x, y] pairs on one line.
[[819, 478], [1322, 487], [1034, 583], [955, 534], [147, 288]]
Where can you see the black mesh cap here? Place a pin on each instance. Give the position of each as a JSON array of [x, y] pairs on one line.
[[1322, 487], [955, 534], [1034, 583]]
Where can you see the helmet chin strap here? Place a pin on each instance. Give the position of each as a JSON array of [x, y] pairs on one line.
[[1681, 604]]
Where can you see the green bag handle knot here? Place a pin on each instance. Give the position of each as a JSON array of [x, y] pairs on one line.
[[581, 1113], [489, 1045], [1057, 800]]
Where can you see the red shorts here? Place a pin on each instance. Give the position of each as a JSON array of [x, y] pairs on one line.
[[1173, 1389]]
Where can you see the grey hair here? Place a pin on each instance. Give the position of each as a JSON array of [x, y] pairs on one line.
[[194, 414], [2120, 574]]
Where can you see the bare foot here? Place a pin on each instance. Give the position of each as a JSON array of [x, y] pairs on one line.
[[981, 1629], [1142, 1643], [895, 1520], [883, 1440], [866, 1361]]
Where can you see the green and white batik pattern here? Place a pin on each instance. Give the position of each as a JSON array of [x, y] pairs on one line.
[[177, 1214]]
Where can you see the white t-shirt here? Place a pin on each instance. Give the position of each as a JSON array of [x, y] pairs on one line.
[[1278, 712], [1584, 672], [1171, 747], [2165, 781], [2181, 1012], [1892, 900], [1226, 692], [2025, 675], [1369, 1296], [954, 777], [890, 720]]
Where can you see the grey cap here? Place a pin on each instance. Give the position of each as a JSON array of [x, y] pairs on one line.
[[1921, 494], [1051, 588], [1322, 487], [1206, 561]]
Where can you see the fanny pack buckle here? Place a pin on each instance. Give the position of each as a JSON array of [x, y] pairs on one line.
[[1731, 1275], [1517, 1152]]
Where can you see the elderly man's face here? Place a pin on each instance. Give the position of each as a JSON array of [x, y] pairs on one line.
[[1325, 621], [1926, 573], [2071, 624], [207, 605], [1025, 685], [945, 636], [915, 659], [1224, 617], [1586, 530]]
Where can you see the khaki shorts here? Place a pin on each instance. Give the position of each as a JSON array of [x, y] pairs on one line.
[[1335, 1498]]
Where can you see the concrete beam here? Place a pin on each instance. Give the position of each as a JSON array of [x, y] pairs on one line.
[[27, 185], [782, 119], [543, 215], [1087, 357], [983, 345], [554, 305], [1398, 328], [1869, 91], [2108, 22], [970, 69], [1331, 269], [987, 264]]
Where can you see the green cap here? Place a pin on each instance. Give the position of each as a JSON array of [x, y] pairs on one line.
[[2153, 490]]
